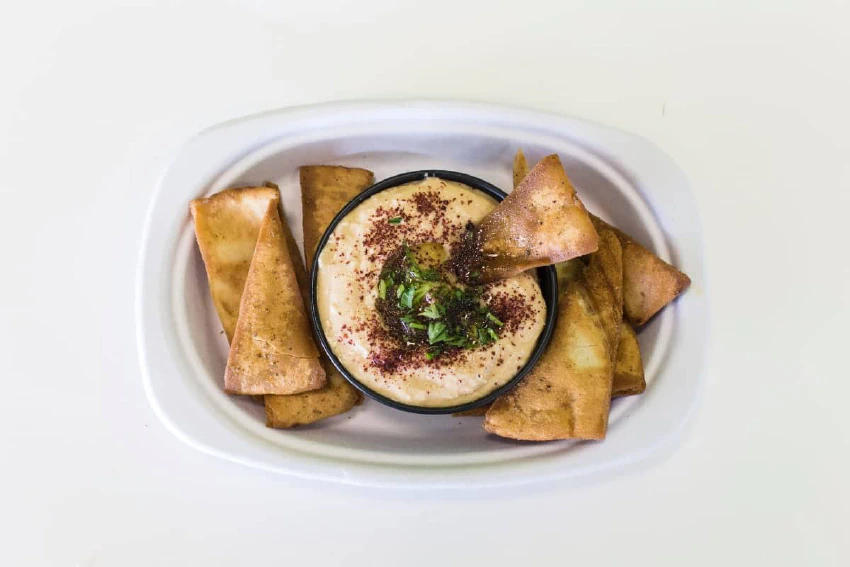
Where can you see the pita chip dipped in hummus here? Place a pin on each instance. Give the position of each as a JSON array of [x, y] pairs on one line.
[[272, 351], [325, 190], [540, 223]]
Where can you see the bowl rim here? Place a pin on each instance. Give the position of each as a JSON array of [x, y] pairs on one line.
[[547, 276]]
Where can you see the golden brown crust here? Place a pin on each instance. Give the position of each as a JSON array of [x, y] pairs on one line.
[[628, 370], [273, 350], [567, 395], [325, 190], [603, 278], [629, 376], [541, 222], [226, 228], [649, 283], [336, 397]]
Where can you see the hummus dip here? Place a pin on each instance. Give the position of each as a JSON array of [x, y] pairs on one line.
[[349, 272]]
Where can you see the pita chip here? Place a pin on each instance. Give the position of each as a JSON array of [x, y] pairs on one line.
[[629, 376], [567, 395], [334, 398], [272, 350], [541, 222], [628, 370], [603, 278], [325, 190], [226, 227], [649, 283]]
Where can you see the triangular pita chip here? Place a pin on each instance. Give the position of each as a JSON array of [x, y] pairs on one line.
[[649, 283], [272, 350], [325, 190], [541, 222], [628, 370], [567, 395], [226, 227]]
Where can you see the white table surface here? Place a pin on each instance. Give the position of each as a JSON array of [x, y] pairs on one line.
[[752, 102]]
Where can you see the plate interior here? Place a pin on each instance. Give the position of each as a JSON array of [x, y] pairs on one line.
[[372, 432]]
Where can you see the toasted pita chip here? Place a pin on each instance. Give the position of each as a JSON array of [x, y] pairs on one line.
[[649, 283], [628, 370], [336, 397], [226, 227], [567, 395], [541, 222], [629, 377], [520, 167], [325, 190], [273, 350], [604, 281]]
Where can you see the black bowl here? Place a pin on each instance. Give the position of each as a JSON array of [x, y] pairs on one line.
[[546, 275]]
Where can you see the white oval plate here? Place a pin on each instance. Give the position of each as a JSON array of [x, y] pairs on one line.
[[183, 351]]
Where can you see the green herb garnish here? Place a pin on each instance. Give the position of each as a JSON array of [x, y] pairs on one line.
[[406, 298], [430, 309], [422, 290], [395, 220], [431, 312], [436, 330]]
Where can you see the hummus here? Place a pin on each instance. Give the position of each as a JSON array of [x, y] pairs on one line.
[[349, 272]]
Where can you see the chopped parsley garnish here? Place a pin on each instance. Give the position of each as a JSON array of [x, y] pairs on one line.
[[431, 312], [430, 308], [406, 298], [436, 332], [395, 220]]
